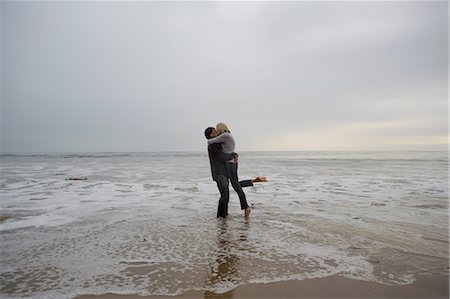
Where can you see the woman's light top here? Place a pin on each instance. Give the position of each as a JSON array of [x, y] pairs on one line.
[[227, 140]]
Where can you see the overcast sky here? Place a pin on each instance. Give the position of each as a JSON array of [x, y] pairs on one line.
[[151, 76]]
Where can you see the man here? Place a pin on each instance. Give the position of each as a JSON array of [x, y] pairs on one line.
[[217, 160]]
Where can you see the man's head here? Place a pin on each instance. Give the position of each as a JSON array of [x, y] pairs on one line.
[[210, 132]]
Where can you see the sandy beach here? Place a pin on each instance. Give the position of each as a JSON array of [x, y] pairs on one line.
[[426, 286]]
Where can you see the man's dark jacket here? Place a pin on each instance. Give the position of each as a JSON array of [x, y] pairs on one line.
[[217, 159]]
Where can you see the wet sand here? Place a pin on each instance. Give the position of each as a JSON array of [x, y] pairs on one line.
[[425, 286]]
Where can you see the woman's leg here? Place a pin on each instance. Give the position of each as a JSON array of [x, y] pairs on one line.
[[232, 175]]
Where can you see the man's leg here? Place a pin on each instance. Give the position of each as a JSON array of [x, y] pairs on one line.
[[222, 184]]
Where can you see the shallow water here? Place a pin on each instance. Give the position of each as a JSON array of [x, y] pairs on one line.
[[144, 223]]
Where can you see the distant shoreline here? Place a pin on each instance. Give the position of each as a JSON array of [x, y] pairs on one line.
[[203, 151]]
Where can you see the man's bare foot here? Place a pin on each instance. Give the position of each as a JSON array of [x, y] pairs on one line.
[[247, 212], [259, 179]]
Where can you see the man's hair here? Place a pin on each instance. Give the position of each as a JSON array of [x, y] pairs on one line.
[[208, 132]]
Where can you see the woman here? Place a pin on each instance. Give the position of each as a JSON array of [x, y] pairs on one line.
[[228, 146]]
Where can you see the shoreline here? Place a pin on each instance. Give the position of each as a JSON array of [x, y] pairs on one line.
[[425, 286]]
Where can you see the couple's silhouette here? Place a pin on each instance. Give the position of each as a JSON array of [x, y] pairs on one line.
[[224, 165]]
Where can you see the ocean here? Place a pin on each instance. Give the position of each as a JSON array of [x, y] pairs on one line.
[[145, 223]]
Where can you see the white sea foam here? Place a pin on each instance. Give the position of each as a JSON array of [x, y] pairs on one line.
[[145, 223]]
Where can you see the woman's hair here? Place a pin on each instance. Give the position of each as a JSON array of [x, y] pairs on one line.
[[222, 128]]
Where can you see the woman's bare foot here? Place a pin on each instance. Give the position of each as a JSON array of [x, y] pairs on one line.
[[259, 179], [247, 212]]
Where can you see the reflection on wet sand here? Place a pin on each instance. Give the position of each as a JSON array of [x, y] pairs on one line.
[[224, 270]]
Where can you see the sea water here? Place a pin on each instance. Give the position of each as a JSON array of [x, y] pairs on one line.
[[145, 223]]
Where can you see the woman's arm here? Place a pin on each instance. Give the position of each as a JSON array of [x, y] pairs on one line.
[[224, 137]]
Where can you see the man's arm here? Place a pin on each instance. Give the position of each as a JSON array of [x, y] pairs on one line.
[[216, 151]]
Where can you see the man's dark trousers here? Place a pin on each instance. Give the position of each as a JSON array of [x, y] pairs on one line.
[[222, 184]]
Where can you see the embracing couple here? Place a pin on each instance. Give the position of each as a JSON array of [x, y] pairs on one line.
[[224, 166]]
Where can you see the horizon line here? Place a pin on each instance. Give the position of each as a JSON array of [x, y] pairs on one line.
[[199, 151]]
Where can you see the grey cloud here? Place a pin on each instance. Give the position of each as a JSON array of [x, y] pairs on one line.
[[152, 75]]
